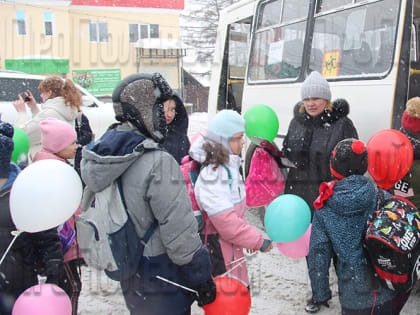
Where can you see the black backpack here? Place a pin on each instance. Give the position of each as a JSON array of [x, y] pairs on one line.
[[392, 244]]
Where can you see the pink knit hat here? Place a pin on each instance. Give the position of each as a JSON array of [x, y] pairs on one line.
[[56, 134]]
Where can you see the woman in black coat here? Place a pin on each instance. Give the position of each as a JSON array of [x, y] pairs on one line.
[[176, 141], [317, 126]]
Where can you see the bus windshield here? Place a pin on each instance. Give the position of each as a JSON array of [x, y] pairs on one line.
[[348, 39]]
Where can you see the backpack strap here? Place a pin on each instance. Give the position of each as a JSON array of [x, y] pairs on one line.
[[229, 174], [152, 227]]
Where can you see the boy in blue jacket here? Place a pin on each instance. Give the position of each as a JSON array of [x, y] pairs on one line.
[[339, 224]]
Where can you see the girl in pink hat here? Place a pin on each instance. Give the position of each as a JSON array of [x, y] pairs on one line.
[[58, 141]]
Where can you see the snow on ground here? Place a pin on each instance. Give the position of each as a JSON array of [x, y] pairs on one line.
[[279, 285]]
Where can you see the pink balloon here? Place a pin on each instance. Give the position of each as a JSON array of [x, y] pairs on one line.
[[42, 299], [298, 248]]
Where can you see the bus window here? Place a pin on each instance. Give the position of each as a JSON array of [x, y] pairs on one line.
[[356, 41], [269, 14], [325, 5], [278, 49], [294, 9]]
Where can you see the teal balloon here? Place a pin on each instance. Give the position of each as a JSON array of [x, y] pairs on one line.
[[21, 146], [287, 218]]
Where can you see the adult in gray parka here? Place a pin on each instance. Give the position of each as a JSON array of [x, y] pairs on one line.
[[154, 189]]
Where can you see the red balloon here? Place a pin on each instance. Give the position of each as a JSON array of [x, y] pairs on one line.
[[232, 298], [390, 155]]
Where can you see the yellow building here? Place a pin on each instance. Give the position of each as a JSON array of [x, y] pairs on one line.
[[95, 42]]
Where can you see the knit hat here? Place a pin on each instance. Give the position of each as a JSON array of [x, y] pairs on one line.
[[56, 134], [139, 99], [411, 116], [316, 86], [349, 157], [223, 126], [6, 148]]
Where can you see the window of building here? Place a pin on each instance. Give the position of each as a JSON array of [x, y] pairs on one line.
[[142, 31], [49, 24], [21, 22], [98, 32]]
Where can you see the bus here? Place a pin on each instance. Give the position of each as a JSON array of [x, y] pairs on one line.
[[368, 50]]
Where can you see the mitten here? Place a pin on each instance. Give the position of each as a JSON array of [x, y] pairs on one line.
[[206, 292]]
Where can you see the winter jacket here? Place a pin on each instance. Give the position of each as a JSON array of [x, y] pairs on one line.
[[338, 227], [154, 189], [31, 253], [84, 137], [74, 251], [409, 186], [176, 141], [224, 201], [53, 107], [309, 143]]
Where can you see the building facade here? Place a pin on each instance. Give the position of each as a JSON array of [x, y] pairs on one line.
[[94, 42]]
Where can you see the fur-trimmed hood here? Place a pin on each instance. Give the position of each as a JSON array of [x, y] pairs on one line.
[[341, 108]]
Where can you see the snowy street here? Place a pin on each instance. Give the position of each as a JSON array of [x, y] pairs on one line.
[[279, 285]]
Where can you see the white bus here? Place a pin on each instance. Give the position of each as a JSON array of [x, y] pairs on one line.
[[367, 49]]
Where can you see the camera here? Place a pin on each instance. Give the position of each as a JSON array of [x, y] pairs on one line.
[[25, 96]]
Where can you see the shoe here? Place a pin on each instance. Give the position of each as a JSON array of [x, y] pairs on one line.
[[314, 307]]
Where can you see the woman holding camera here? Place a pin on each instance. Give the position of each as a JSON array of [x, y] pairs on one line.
[[61, 99]]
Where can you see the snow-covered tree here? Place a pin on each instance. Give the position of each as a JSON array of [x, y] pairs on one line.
[[199, 29]]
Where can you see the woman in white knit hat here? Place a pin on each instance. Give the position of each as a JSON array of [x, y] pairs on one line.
[[317, 126]]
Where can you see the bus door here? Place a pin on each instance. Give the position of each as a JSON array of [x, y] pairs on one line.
[[234, 62]]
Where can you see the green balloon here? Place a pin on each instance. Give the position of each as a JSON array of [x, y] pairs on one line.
[[261, 123], [21, 146]]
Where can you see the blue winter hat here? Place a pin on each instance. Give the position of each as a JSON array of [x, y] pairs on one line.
[[223, 126], [6, 148]]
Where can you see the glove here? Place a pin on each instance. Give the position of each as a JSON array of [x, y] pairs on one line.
[[206, 292], [265, 245]]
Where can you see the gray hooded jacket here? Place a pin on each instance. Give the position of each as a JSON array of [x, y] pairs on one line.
[[153, 188]]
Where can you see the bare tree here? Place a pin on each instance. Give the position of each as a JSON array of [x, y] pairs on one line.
[[200, 28]]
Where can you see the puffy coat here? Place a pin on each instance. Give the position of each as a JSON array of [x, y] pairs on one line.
[[31, 253], [224, 201], [53, 107], [338, 228], [176, 141], [309, 143], [154, 188]]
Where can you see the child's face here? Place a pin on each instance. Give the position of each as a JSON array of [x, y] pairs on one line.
[[68, 152], [236, 143], [169, 108]]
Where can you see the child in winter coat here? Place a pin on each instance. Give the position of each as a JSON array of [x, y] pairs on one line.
[[338, 226], [176, 141], [21, 265], [409, 186], [220, 192], [58, 140]]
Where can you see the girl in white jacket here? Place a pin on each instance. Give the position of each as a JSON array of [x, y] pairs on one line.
[[220, 193], [61, 100]]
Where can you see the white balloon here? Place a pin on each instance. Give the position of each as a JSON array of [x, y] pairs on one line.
[[44, 195]]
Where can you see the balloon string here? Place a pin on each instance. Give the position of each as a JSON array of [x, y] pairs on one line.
[[15, 234], [236, 266], [176, 284]]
